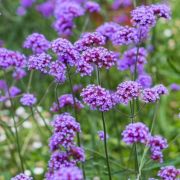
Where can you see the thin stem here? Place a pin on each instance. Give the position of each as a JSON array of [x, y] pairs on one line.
[[30, 80], [76, 115], [15, 126], [104, 129]]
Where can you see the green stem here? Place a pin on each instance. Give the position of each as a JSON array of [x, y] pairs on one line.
[[15, 126], [30, 80]]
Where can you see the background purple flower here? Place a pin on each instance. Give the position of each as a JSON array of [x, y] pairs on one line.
[[28, 99]]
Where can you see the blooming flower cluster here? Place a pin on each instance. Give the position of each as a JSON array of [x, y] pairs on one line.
[[37, 43], [24, 5], [28, 99], [65, 129], [92, 7], [139, 132], [169, 173], [64, 101], [101, 135], [22, 177]]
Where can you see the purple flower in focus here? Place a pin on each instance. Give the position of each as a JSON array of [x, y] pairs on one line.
[[128, 90], [175, 87], [89, 40], [92, 6], [58, 70], [19, 73], [101, 135], [68, 173], [108, 29], [46, 8], [143, 16], [97, 98], [21, 177], [125, 36], [64, 101], [39, 62], [145, 80], [37, 43], [28, 99], [14, 91], [149, 95], [168, 173], [161, 11], [161, 89], [65, 51], [136, 132]]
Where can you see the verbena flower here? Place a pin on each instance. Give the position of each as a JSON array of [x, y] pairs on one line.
[[19, 73], [99, 56], [108, 29], [58, 70], [70, 173], [175, 87], [161, 11], [124, 36], [65, 51], [77, 88], [92, 6], [149, 95], [28, 99], [145, 80], [14, 91], [37, 43], [136, 132], [97, 98], [168, 173], [121, 3], [65, 101], [143, 16], [46, 8], [39, 62], [27, 3], [77, 154], [22, 177], [89, 40], [128, 90], [161, 89], [101, 135]]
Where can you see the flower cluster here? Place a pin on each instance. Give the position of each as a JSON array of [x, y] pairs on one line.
[[97, 98], [19, 73], [92, 7], [24, 4], [88, 40], [101, 135], [37, 43], [65, 51], [128, 90], [145, 80], [9, 58], [118, 3], [22, 177], [28, 99], [64, 101], [169, 173]]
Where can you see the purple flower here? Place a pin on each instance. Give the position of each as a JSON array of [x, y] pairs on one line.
[[149, 95], [28, 99], [77, 153], [168, 173], [27, 3], [65, 51], [101, 135], [14, 91], [161, 89], [77, 88], [64, 26], [22, 177], [19, 73], [175, 87], [136, 132], [46, 8], [124, 36], [92, 6], [89, 40], [37, 43], [118, 3], [143, 16], [39, 62], [70, 173], [127, 90], [100, 56], [97, 98], [3, 85], [64, 101], [21, 11], [157, 144], [108, 29], [145, 80], [161, 10], [58, 70]]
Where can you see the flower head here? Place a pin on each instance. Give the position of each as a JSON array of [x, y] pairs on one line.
[[161, 89], [149, 95], [19, 73], [22, 177], [101, 135], [145, 80], [28, 99], [92, 6]]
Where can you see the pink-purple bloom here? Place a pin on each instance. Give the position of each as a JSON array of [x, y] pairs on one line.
[[28, 99], [14, 91], [21, 176], [102, 136], [46, 8], [91, 6], [136, 132], [175, 87], [19, 73], [145, 80], [149, 95]]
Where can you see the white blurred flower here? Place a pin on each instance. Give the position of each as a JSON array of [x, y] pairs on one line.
[[167, 33], [38, 170], [27, 124], [36, 145]]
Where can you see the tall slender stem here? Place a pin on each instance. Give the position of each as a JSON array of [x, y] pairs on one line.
[[15, 126], [104, 129], [76, 115]]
